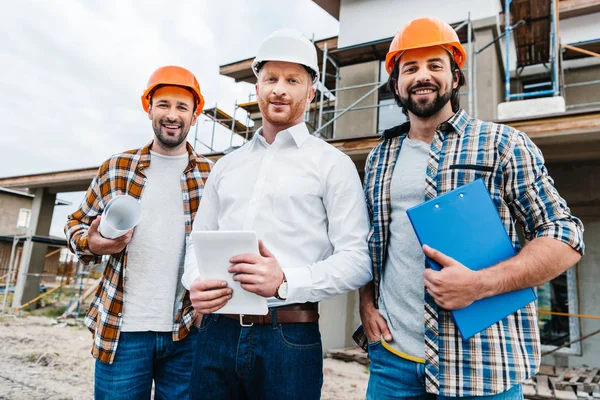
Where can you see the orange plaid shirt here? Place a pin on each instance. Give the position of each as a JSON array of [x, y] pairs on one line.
[[124, 174]]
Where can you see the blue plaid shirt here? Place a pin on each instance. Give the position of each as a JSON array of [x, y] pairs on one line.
[[465, 149]]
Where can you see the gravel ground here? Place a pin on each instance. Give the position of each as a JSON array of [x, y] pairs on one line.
[[43, 359]]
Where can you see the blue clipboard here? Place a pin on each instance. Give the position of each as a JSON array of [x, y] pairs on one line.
[[464, 224]]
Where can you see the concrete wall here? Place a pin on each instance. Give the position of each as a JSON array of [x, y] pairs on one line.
[[582, 94], [10, 204], [369, 20], [579, 29], [361, 122], [489, 73], [577, 183], [337, 321]]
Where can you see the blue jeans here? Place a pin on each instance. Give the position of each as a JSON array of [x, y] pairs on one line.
[[393, 377], [274, 361], [141, 358]]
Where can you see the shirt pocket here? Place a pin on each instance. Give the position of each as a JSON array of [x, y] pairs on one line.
[[295, 198], [467, 173]]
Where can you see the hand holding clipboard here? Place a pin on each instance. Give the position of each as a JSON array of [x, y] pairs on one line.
[[464, 225]]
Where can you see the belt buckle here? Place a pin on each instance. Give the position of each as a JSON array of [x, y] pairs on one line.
[[242, 322]]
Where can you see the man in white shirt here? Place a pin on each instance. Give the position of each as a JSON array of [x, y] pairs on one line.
[[304, 200]]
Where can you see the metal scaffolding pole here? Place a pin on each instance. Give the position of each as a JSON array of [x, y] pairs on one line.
[[212, 139], [196, 135], [507, 29], [235, 107], [323, 77], [331, 121], [555, 47]]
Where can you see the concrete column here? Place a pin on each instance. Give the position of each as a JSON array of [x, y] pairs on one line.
[[333, 322], [32, 260]]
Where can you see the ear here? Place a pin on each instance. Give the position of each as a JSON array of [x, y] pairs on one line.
[[150, 111], [194, 118], [311, 95], [256, 89], [455, 78]]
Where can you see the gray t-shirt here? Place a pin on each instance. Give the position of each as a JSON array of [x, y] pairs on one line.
[[157, 250], [401, 300]]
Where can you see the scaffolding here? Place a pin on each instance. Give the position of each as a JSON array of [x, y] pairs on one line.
[[535, 35], [76, 298], [532, 44]]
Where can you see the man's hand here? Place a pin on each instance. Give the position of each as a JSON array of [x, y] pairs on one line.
[[455, 286], [260, 274], [100, 245], [209, 296], [374, 324]]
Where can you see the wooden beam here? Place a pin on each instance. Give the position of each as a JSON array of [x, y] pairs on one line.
[[575, 8], [232, 68], [41, 296], [332, 44], [579, 50], [331, 6], [558, 125], [74, 177]]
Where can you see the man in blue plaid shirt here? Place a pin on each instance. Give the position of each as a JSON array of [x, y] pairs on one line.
[[416, 350]]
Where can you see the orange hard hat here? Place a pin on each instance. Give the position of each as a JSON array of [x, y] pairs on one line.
[[173, 76], [425, 32]]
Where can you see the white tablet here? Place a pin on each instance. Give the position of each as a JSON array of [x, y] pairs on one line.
[[213, 251]]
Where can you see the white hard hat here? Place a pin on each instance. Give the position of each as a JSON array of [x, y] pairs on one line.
[[287, 45]]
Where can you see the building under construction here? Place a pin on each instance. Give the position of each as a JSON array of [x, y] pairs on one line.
[[531, 64]]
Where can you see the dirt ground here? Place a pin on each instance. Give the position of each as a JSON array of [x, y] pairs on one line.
[[41, 358]]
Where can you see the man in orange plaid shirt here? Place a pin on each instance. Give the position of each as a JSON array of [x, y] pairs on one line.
[[141, 318]]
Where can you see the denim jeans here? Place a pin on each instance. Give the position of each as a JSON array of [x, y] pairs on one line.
[[393, 377], [141, 358], [274, 361]]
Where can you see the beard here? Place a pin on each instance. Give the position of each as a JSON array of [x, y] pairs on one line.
[[425, 109], [287, 117], [164, 138]]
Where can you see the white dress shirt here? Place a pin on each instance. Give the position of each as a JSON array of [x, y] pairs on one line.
[[304, 199]]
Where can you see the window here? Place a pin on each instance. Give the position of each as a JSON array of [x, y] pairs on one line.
[[389, 114], [559, 295], [24, 218]]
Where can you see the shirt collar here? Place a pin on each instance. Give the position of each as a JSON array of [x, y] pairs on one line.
[[299, 134], [457, 123]]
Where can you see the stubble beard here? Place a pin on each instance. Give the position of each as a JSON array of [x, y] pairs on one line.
[[427, 109], [169, 141], [282, 118]]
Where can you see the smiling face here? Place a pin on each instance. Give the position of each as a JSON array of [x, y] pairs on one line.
[[283, 90], [172, 113], [426, 81]]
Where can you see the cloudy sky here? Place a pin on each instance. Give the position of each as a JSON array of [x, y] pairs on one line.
[[72, 72]]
